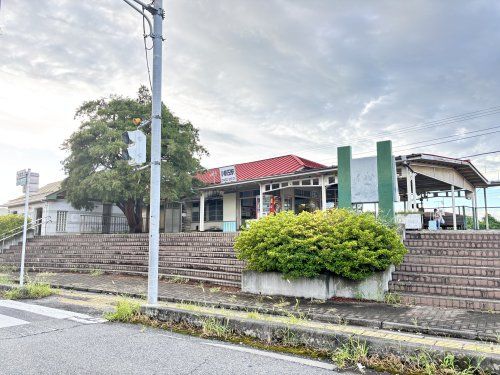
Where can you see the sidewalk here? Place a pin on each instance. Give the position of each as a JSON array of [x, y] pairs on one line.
[[418, 319]]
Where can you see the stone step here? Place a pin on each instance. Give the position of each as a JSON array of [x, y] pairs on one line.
[[472, 281], [409, 287], [113, 248], [449, 270], [491, 235], [432, 251], [129, 269], [132, 252], [450, 302], [454, 244], [452, 261]]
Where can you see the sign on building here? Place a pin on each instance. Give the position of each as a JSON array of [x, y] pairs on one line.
[[228, 174]]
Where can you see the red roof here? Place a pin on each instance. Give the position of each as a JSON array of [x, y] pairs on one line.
[[262, 168]]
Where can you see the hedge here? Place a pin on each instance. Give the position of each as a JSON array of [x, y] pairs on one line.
[[345, 243], [9, 222]]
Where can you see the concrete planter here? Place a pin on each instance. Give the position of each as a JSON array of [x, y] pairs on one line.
[[321, 287]]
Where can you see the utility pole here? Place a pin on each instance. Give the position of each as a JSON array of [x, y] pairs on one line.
[[156, 10], [154, 219], [25, 225]]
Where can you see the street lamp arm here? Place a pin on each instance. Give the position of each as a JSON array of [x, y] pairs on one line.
[[144, 6]]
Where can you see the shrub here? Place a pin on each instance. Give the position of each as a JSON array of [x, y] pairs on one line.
[[345, 243], [9, 222]]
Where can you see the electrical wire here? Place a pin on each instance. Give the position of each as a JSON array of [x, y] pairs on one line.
[[146, 49], [481, 154]]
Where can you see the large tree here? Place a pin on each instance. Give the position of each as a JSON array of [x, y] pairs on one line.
[[97, 172]]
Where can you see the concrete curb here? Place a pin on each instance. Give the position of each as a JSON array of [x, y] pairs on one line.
[[468, 335], [316, 337]]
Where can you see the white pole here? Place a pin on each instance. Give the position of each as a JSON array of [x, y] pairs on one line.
[[486, 218], [25, 226], [453, 207], [323, 193], [409, 199], [414, 185], [202, 212], [261, 201], [474, 210], [154, 205]]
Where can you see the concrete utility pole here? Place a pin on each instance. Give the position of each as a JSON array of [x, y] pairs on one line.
[[154, 229], [156, 10], [25, 226]]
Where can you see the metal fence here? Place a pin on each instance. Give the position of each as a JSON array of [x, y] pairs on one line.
[[103, 224]]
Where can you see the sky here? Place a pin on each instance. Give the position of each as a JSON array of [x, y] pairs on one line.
[[259, 78]]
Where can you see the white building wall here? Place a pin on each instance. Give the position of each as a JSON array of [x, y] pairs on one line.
[[73, 216]]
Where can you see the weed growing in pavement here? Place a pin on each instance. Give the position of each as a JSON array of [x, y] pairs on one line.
[[4, 268], [355, 354], [29, 291], [178, 280], [214, 290], [4, 279], [212, 327], [126, 311], [96, 272], [393, 299], [202, 286]]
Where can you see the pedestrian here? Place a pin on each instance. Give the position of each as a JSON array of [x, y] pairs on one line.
[[438, 217]]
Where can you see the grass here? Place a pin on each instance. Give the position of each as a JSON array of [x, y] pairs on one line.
[[4, 279], [393, 299], [96, 272], [29, 291], [126, 311], [355, 354]]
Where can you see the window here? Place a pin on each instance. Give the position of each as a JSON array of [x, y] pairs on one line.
[[61, 221], [213, 210], [195, 213]]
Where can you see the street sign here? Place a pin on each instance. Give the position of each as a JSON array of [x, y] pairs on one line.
[[34, 182], [21, 177]]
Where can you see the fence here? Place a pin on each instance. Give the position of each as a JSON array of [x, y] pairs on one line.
[[103, 224]]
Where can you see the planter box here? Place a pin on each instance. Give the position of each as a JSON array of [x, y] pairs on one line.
[[321, 287], [410, 221]]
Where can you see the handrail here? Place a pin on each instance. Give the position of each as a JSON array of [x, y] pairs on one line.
[[33, 225], [18, 228]]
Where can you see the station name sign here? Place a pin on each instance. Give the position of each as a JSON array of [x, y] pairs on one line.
[[228, 174]]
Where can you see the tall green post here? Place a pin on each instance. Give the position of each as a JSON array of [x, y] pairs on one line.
[[344, 157], [386, 173]]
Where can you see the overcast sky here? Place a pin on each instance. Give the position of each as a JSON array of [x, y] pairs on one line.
[[258, 78]]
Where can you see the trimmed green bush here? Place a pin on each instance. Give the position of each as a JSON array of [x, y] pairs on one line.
[[9, 222], [345, 243]]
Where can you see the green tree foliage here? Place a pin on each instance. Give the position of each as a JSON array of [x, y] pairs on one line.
[[95, 168], [345, 243], [493, 222], [10, 222]]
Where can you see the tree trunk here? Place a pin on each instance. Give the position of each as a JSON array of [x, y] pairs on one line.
[[133, 212]]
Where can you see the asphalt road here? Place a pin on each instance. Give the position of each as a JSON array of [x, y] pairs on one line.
[[36, 339]]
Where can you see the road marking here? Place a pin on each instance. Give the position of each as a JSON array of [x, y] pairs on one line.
[[8, 321], [303, 361], [51, 312]]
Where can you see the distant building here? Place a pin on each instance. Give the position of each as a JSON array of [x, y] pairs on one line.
[[3, 210], [56, 215]]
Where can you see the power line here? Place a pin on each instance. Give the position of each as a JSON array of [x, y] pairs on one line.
[[481, 154], [421, 126], [404, 148], [146, 49]]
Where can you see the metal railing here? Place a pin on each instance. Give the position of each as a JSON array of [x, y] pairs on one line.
[[14, 234], [103, 224]]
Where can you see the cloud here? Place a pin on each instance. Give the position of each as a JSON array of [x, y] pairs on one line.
[[262, 78]]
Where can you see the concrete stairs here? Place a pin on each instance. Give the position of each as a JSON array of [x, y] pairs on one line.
[[206, 257], [458, 269]]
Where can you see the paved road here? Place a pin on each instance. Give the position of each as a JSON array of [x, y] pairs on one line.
[[36, 339]]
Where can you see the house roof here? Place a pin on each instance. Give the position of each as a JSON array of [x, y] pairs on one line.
[[39, 196], [262, 168]]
